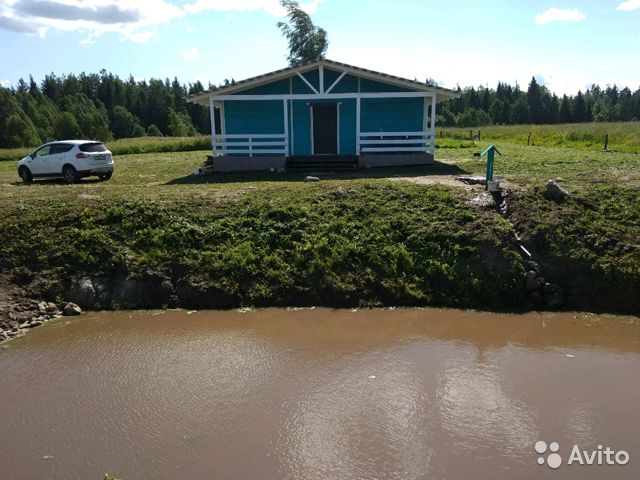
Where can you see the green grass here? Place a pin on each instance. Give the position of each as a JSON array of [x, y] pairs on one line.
[[271, 239], [623, 137], [131, 145], [274, 241]]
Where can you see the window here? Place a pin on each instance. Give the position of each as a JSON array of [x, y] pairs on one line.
[[60, 148], [93, 147], [42, 151]]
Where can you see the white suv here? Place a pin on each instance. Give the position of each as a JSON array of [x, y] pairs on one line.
[[68, 159]]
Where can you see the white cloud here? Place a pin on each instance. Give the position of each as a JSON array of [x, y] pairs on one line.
[[629, 5], [138, 37], [132, 19], [190, 54], [560, 15], [272, 7], [5, 83]]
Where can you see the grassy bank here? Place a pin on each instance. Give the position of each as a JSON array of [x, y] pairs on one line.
[[340, 242], [262, 240]]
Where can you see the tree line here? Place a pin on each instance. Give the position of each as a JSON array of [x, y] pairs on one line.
[[509, 105], [103, 106], [98, 106]]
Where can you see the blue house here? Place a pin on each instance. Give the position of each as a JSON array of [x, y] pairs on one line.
[[322, 114]]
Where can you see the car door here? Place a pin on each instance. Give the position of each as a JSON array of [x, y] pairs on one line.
[[39, 164], [56, 158]]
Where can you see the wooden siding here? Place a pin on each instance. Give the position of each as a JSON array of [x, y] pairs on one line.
[[259, 117], [302, 128], [281, 87], [392, 115], [348, 127]]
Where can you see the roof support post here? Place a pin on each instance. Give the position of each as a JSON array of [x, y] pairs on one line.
[[321, 79], [286, 127], [358, 111], [212, 112], [433, 123]]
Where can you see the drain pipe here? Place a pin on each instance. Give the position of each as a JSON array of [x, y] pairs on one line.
[[539, 291]]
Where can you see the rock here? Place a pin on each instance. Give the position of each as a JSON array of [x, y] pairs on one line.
[[42, 307], [554, 301], [81, 292], [340, 193], [311, 179], [71, 309], [552, 289], [553, 191], [472, 180], [536, 298], [532, 283], [41, 287], [52, 307], [483, 200], [553, 295], [534, 266], [148, 290], [35, 323], [200, 294]]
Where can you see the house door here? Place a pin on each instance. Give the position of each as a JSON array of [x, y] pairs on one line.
[[325, 128]]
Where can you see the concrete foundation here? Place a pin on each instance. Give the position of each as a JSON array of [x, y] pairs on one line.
[[248, 164], [394, 159]]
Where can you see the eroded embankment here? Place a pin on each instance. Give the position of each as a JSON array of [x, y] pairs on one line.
[[370, 244], [373, 244]]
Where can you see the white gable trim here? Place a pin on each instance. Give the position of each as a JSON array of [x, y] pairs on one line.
[[321, 64], [304, 79]]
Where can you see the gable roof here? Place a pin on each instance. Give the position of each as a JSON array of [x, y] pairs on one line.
[[442, 93]]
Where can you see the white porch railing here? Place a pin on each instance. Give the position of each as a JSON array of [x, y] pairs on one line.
[[391, 142], [263, 144]]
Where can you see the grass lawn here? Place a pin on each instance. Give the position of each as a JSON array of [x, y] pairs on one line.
[[623, 137], [273, 240]]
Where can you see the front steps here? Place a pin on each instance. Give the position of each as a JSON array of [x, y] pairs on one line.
[[322, 163]]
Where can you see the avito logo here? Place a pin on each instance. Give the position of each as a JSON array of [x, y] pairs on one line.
[[600, 456]]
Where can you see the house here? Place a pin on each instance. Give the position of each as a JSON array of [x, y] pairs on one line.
[[322, 114]]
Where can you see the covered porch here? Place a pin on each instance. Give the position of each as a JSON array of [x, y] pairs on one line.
[[322, 112]]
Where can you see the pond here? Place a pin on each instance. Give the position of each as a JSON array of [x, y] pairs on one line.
[[319, 394]]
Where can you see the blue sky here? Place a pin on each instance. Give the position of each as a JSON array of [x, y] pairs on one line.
[[568, 45]]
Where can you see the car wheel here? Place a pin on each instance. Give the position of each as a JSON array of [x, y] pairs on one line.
[[105, 176], [69, 174], [25, 175]]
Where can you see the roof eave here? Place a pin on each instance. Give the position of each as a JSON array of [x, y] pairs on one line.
[[203, 98]]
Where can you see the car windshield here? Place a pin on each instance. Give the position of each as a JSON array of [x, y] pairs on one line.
[[93, 147]]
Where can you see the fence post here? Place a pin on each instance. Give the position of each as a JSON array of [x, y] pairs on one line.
[[606, 142], [478, 135], [470, 134], [529, 139]]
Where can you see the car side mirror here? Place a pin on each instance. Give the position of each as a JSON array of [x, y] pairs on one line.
[[33, 155]]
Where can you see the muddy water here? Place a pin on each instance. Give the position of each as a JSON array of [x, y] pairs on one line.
[[318, 394]]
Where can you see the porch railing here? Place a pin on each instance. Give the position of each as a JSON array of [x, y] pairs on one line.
[[392, 142], [263, 144]]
